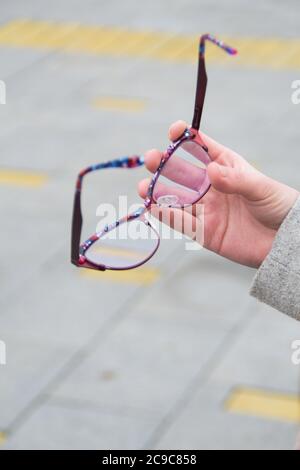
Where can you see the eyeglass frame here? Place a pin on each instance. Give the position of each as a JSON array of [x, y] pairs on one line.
[[78, 250]]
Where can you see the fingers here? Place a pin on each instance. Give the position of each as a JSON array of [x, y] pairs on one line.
[[152, 159], [244, 180], [177, 129], [230, 173], [181, 171], [184, 196], [177, 169], [215, 149], [182, 221], [234, 180], [143, 187]]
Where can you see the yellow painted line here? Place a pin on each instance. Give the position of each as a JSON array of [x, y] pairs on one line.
[[144, 44], [22, 178], [282, 53], [102, 41], [264, 404], [119, 104], [171, 47], [2, 438], [54, 38], [142, 275], [25, 34], [9, 29], [86, 39]]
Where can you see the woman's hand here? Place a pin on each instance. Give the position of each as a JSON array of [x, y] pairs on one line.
[[243, 209]]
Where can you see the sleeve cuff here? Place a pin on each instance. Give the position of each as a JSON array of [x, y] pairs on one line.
[[277, 281]]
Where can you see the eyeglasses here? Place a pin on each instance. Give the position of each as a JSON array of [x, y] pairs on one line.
[[187, 183]]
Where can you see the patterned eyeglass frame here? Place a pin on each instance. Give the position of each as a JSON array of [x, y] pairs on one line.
[[78, 250]]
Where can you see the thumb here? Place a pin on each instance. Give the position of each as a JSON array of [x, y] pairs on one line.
[[244, 180]]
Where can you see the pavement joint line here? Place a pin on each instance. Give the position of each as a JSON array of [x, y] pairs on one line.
[[264, 404], [22, 178], [83, 351], [271, 52], [38, 61], [201, 378], [68, 402]]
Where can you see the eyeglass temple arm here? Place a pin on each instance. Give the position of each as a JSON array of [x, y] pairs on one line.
[[202, 77], [124, 162]]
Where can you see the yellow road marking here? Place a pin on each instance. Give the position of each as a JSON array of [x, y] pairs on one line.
[[264, 404], [84, 39], [11, 27], [56, 37], [144, 43], [142, 276], [25, 34], [2, 438], [170, 49], [120, 104], [22, 178], [267, 52]]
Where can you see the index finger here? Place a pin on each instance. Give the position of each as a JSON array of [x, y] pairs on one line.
[[215, 150]]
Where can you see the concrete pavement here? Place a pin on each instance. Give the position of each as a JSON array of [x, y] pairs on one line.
[[103, 362]]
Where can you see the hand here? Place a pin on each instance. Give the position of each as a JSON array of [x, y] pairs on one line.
[[243, 209]]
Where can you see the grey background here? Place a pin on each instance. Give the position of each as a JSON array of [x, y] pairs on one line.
[[95, 363]]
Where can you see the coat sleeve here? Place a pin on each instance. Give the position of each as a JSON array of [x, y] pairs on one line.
[[277, 281]]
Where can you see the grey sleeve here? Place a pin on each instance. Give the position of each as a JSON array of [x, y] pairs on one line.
[[277, 281]]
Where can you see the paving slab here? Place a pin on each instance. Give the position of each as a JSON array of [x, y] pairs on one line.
[[31, 364], [205, 424], [55, 426], [261, 356], [152, 362]]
